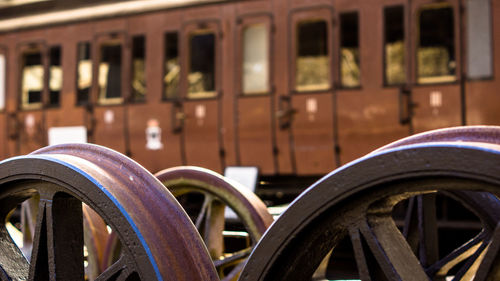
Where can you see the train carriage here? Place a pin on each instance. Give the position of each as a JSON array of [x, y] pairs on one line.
[[295, 88]]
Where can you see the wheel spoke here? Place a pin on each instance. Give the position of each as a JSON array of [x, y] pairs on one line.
[[214, 226], [235, 272], [390, 249], [236, 260], [490, 264], [29, 214], [58, 242], [427, 225], [359, 254], [39, 266], [13, 263], [238, 256], [116, 271], [410, 229], [207, 200], [469, 269], [443, 266]]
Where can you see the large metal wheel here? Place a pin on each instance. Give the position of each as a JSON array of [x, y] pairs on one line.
[[159, 241], [217, 193], [205, 195], [356, 203]]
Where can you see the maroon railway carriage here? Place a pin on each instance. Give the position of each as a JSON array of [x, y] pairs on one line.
[[293, 87]]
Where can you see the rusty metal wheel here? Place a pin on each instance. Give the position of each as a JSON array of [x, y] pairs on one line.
[[205, 194], [215, 193], [356, 202], [159, 241]]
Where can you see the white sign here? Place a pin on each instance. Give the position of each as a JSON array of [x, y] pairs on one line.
[[200, 111], [153, 135], [60, 135], [247, 176], [109, 116], [312, 105], [436, 99]]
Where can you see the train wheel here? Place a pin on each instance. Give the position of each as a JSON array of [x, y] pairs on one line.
[[159, 242], [213, 193], [204, 194], [356, 203]]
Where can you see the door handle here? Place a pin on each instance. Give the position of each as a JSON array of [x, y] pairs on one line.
[[13, 126], [178, 117], [285, 112], [406, 106], [90, 120]]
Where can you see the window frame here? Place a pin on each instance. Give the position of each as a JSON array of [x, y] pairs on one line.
[[200, 27], [49, 75], [318, 13], [180, 63], [24, 49], [112, 38], [339, 53], [77, 76], [456, 41], [132, 98], [244, 22], [405, 44]]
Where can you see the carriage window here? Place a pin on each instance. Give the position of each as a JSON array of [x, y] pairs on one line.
[[2, 81], [172, 67], [55, 75], [350, 72], [32, 80], [255, 60], [84, 73], [312, 62], [138, 68], [479, 41], [395, 71], [110, 68], [436, 50], [201, 78]]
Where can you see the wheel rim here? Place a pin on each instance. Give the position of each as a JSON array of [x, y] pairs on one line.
[[64, 176], [358, 191], [217, 193]]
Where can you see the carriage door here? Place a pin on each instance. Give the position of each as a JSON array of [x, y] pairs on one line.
[[109, 91], [437, 65], [202, 102], [254, 106], [310, 105], [33, 95]]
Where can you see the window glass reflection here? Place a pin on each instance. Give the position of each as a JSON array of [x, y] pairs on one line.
[[436, 50], [84, 73], [110, 68], [201, 77], [32, 80], [172, 66], [395, 67], [138, 68], [312, 61], [255, 60], [55, 75], [350, 71]]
